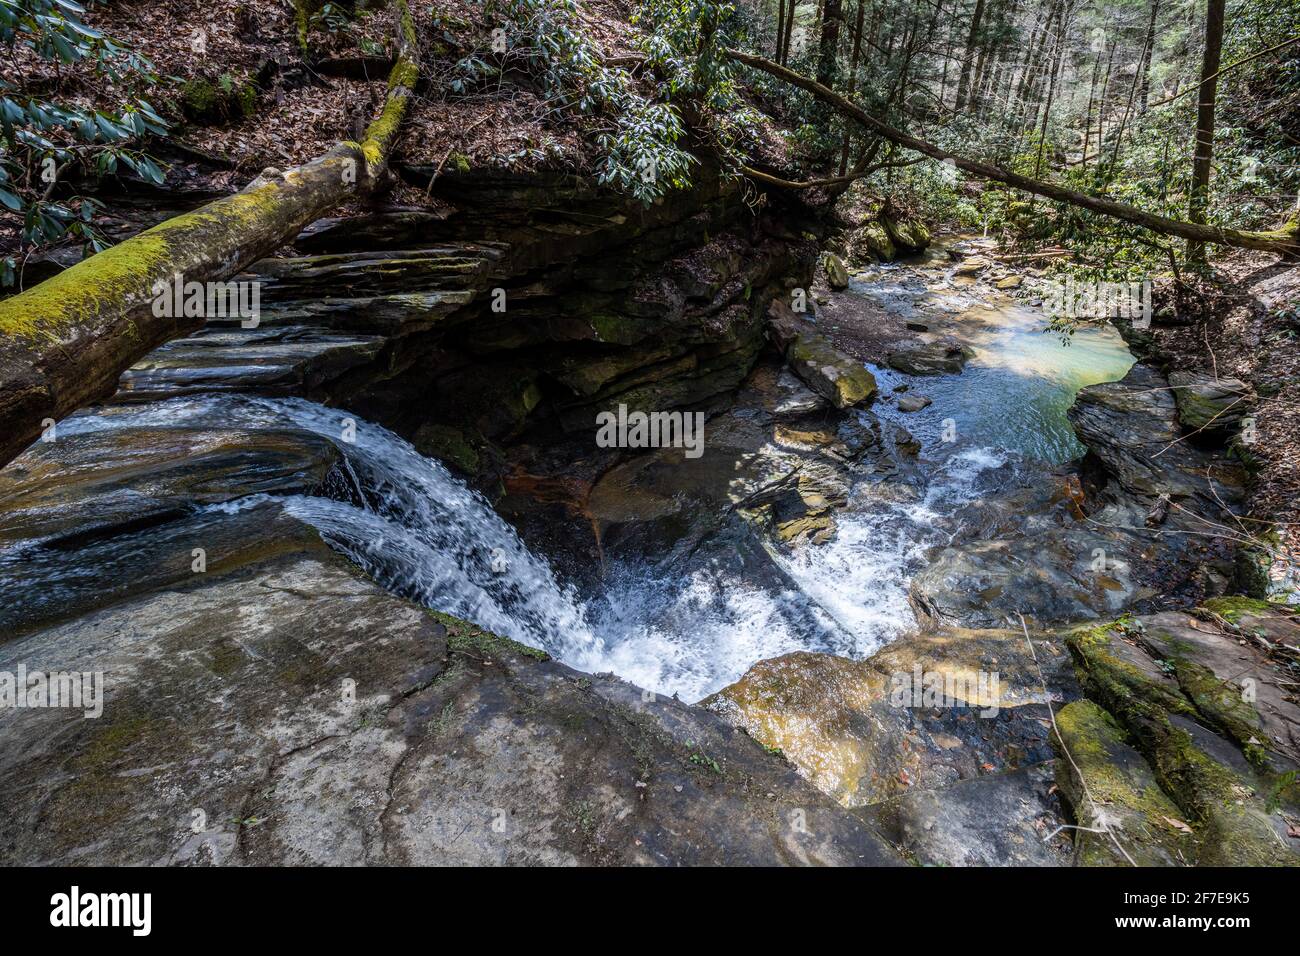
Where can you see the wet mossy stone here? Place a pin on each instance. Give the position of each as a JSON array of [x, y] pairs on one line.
[[1111, 787], [1204, 774], [829, 372], [907, 235], [1207, 403], [837, 275], [449, 445], [876, 239]]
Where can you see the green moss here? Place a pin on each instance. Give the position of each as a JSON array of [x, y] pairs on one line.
[[1232, 608], [449, 445], [1116, 682], [468, 638], [122, 276], [199, 98], [1119, 785], [1224, 706], [1234, 824]]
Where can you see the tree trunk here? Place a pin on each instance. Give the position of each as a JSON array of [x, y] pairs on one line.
[[1199, 200], [853, 79], [971, 40], [1144, 92], [66, 341], [1284, 241], [789, 30], [832, 11], [780, 30]]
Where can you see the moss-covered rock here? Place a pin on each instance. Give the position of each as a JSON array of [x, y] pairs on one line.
[[206, 100], [449, 445], [837, 275], [1207, 776], [1111, 788], [1208, 403], [829, 372], [907, 235], [876, 239]]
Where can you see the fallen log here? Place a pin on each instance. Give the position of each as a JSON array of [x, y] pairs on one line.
[[64, 342], [1284, 241]]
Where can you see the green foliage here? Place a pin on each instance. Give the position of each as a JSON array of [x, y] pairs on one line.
[[42, 139], [638, 135], [636, 122]]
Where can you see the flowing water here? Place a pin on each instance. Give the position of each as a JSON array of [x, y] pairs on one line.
[[692, 628]]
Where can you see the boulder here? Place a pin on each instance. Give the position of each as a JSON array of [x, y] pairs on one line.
[[1132, 428], [837, 275], [842, 380], [907, 235], [874, 236], [911, 402], [1208, 403], [936, 358], [970, 267]]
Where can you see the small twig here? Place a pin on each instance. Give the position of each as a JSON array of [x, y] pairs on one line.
[[1096, 808]]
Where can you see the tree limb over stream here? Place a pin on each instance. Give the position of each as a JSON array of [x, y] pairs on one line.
[[1284, 241]]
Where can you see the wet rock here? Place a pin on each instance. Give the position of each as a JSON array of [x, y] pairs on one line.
[[1010, 282], [329, 722], [1229, 795], [904, 442], [936, 358], [829, 372], [1112, 788], [959, 781], [98, 483], [386, 229], [1208, 403], [271, 361], [912, 402], [1132, 429], [794, 398], [348, 275], [1002, 819], [970, 267], [1051, 577]]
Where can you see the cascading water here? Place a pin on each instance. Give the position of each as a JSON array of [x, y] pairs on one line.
[[692, 629], [419, 532]]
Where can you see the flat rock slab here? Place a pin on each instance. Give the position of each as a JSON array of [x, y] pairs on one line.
[[286, 710], [1005, 819]]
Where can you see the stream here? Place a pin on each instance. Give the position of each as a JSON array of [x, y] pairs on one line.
[[691, 627]]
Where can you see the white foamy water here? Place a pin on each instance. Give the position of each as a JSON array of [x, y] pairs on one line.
[[422, 533]]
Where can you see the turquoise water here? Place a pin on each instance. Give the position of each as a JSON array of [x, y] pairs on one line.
[[1014, 393]]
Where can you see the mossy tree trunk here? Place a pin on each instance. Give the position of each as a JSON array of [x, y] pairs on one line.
[[65, 342]]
